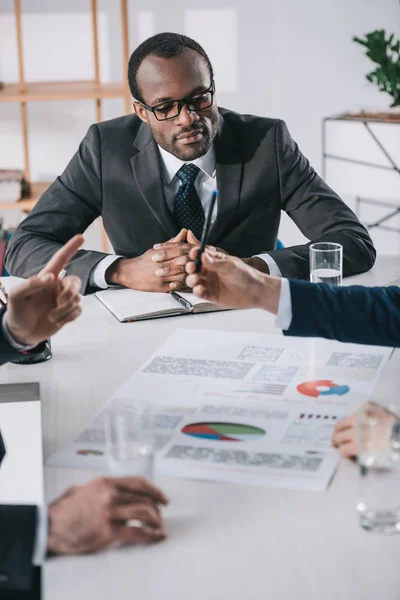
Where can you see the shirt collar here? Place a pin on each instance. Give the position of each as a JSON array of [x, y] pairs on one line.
[[171, 164]]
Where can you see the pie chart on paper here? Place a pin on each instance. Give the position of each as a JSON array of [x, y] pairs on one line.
[[224, 432]]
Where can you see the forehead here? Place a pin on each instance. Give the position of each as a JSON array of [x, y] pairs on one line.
[[172, 78]]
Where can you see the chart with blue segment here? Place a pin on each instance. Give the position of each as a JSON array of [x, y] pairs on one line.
[[224, 432]]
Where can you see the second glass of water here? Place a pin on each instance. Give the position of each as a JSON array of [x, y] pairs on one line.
[[379, 463], [130, 441], [326, 263]]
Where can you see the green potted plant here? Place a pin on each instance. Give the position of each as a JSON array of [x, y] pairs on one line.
[[384, 50]]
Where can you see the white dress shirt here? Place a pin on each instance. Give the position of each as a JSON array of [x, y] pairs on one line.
[[205, 184], [285, 314]]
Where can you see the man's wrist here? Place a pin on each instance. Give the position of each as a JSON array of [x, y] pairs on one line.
[[271, 293], [51, 537], [257, 263], [14, 337], [115, 273]]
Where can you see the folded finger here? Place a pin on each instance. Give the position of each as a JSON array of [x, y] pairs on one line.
[[168, 272], [194, 252], [139, 486], [190, 267], [194, 280], [179, 286], [171, 252], [70, 284], [344, 437], [67, 317], [344, 424], [201, 292], [138, 535], [179, 277], [68, 304], [348, 450], [143, 513], [62, 310], [172, 267]]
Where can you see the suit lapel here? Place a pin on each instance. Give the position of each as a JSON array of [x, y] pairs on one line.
[[229, 167], [147, 173]]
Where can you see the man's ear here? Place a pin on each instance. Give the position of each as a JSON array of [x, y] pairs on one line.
[[140, 111]]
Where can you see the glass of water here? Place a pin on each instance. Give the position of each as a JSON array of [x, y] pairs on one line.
[[326, 263], [130, 437], [379, 466]]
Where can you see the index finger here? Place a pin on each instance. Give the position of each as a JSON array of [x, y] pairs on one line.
[[171, 244], [170, 252], [140, 486], [62, 257], [194, 252]]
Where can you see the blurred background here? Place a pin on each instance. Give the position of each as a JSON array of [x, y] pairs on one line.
[[290, 59]]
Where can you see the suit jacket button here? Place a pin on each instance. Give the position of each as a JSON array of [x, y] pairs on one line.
[[4, 579]]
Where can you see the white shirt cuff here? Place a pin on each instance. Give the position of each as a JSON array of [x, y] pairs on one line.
[[98, 274], [40, 547], [9, 338], [274, 270], [285, 314]]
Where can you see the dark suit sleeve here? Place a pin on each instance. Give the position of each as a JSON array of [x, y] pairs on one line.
[[68, 207], [7, 353], [349, 314], [17, 538], [318, 212]]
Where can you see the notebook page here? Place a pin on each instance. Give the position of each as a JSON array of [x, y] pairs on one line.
[[130, 304]]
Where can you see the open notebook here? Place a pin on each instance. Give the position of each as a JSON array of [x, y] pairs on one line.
[[132, 305]]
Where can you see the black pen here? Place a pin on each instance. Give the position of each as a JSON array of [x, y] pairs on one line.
[[182, 300], [206, 230]]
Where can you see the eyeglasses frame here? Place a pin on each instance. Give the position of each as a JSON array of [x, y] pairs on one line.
[[181, 103]]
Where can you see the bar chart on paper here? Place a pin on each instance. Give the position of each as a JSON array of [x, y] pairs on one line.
[[224, 432]]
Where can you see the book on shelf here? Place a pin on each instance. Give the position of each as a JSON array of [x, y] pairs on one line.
[[13, 185], [5, 234]]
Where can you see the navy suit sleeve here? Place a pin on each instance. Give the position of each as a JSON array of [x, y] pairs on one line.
[[355, 314], [17, 537]]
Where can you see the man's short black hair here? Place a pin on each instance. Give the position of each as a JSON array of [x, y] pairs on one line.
[[164, 45]]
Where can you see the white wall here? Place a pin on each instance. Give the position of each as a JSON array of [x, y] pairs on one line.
[[295, 60]]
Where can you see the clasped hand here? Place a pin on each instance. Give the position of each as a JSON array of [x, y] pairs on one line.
[[160, 269]]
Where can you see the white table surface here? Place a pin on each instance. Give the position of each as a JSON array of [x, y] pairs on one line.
[[225, 541]]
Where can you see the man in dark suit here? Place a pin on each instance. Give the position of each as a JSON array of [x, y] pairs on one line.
[[84, 519], [151, 176], [349, 314], [41, 306]]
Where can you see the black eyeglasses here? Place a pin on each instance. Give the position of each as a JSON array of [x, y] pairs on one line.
[[172, 109]]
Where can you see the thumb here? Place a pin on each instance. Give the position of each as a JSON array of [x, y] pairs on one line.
[[191, 238], [181, 237], [217, 261]]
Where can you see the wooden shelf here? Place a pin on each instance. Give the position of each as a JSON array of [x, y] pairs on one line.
[[27, 204], [62, 90]]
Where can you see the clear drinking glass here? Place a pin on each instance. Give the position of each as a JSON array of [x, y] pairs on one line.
[[130, 438], [326, 263], [378, 452]]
